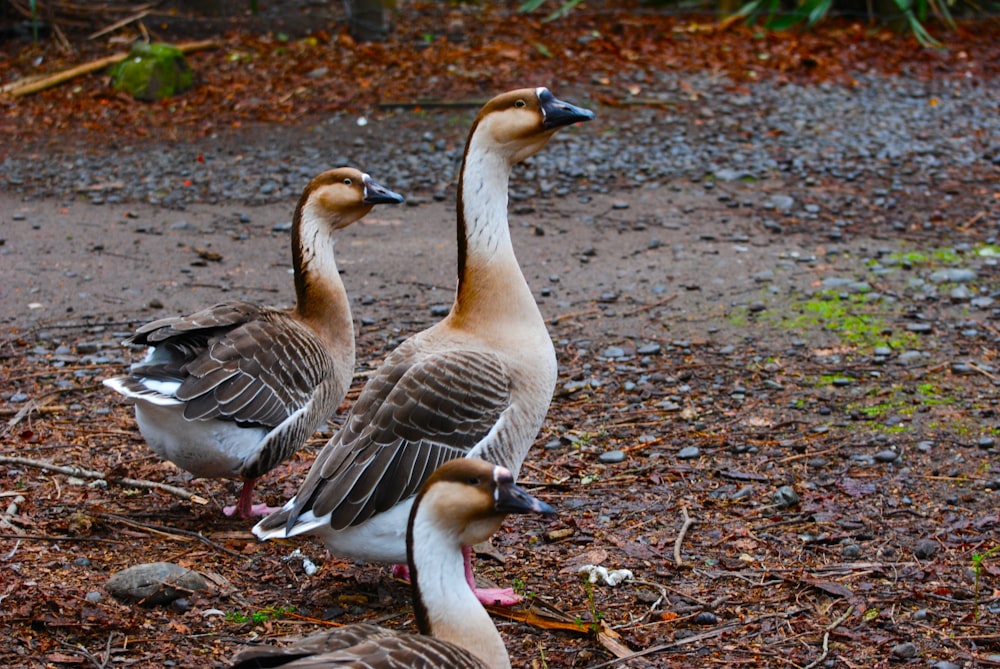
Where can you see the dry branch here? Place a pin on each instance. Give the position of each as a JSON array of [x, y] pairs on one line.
[[33, 85], [82, 473], [688, 522]]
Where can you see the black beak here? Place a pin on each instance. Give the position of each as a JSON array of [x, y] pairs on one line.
[[558, 114], [512, 499], [376, 193]]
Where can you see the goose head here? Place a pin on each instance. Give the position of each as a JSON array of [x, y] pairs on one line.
[[518, 123], [342, 196], [468, 498]]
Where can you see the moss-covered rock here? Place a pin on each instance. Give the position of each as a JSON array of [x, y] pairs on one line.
[[153, 72]]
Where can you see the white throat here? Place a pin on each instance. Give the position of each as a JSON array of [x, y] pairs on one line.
[[317, 241], [454, 612], [484, 199]]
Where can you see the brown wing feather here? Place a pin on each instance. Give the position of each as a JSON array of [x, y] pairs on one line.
[[236, 361], [417, 412], [360, 646]]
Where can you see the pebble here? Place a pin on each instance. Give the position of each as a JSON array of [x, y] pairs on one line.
[[146, 583], [945, 664], [904, 651], [611, 457], [785, 497], [953, 275], [925, 549], [688, 453], [93, 597], [705, 618], [886, 456]]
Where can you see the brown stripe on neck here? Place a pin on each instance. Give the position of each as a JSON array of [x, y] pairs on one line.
[[463, 241], [297, 259], [419, 608]]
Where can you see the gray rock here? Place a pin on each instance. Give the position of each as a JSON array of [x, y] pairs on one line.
[[155, 583], [925, 549], [785, 497], [688, 453], [886, 456], [904, 651], [783, 202], [611, 457], [953, 275]]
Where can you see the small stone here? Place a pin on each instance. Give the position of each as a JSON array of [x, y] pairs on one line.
[[648, 349], [611, 457], [785, 497], [986, 443], [920, 614], [920, 328], [688, 453], [925, 549], [93, 597], [904, 651], [440, 310], [155, 583], [613, 352], [953, 275], [282, 227], [705, 618], [850, 551], [619, 205], [886, 456], [82, 562], [945, 664]]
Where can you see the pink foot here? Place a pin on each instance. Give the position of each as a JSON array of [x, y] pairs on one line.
[[255, 511], [497, 596], [401, 571], [245, 508], [488, 596]]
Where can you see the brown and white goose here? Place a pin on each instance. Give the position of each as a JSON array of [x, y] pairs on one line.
[[233, 390], [477, 384], [462, 503]]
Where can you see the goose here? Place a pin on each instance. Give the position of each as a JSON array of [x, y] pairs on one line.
[[234, 390], [463, 502], [478, 383]]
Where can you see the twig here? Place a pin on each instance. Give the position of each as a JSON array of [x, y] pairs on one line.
[[33, 405], [647, 307], [169, 532], [982, 371], [19, 88], [688, 522], [704, 636], [826, 637], [573, 314], [142, 11], [80, 472], [801, 456]]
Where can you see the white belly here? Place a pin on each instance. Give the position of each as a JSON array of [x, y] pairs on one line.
[[206, 448], [381, 538]]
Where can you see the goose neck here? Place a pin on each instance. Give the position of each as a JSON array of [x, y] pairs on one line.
[[446, 607]]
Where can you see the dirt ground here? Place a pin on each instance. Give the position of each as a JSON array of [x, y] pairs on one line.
[[873, 556], [786, 433]]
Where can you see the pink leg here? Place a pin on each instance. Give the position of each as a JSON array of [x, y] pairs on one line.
[[245, 508], [488, 596]]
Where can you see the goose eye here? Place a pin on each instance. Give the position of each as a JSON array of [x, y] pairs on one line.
[[473, 480], [519, 103], [347, 181]]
